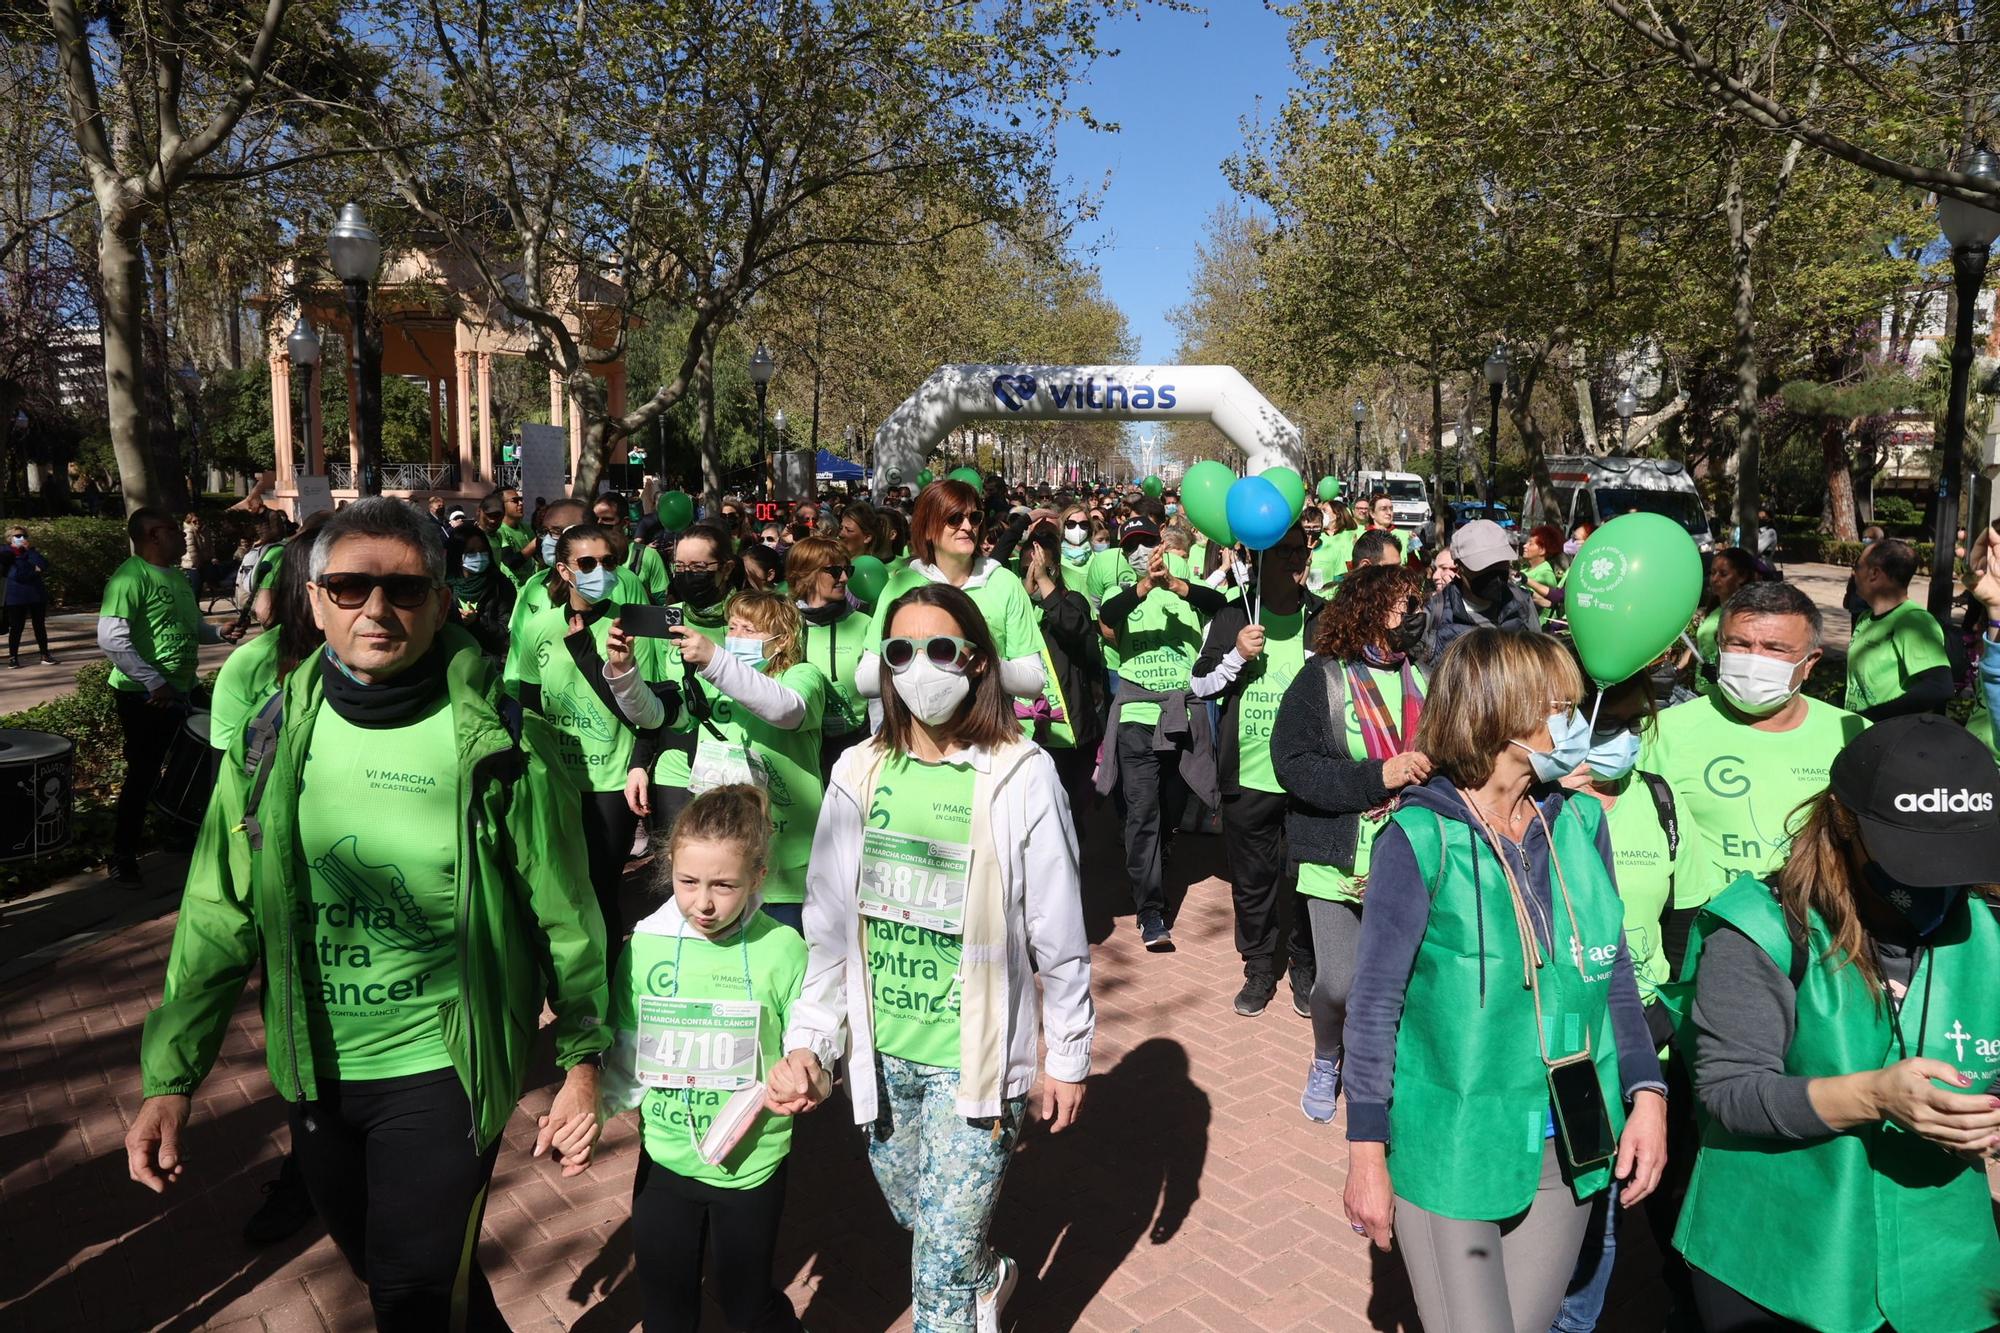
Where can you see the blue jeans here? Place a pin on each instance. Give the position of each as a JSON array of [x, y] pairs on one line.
[[940, 1175], [788, 914], [1585, 1301]]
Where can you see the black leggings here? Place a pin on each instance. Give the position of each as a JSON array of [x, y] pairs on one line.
[[390, 1167], [18, 616], [673, 1219], [1723, 1309], [608, 824]]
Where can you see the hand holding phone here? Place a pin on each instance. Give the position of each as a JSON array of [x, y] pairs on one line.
[[651, 622]]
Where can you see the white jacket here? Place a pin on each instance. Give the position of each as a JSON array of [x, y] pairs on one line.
[[1045, 934]]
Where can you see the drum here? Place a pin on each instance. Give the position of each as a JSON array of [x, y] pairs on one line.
[[188, 776], [36, 774]]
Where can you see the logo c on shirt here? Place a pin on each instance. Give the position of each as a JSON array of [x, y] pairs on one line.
[[1725, 777]]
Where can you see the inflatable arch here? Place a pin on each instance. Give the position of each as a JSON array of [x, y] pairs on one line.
[[958, 394]]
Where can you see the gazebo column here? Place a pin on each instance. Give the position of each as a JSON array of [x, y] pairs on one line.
[[487, 471], [437, 422], [315, 433], [461, 417], [281, 418]]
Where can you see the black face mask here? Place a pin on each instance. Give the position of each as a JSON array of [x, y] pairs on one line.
[[1409, 636], [1489, 585], [697, 588]]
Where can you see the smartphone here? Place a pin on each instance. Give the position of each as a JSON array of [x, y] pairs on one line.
[[651, 622], [1582, 1121]]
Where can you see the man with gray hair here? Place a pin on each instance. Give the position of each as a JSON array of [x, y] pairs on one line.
[[1740, 759], [396, 849]]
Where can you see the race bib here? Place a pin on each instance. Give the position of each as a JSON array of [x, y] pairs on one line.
[[719, 764], [698, 1043], [914, 880]]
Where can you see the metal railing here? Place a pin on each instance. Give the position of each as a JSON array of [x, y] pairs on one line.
[[400, 476], [340, 476]]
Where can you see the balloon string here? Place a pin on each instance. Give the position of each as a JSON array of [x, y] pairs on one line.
[[1256, 583]]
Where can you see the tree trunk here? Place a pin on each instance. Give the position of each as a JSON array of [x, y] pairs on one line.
[[589, 399], [121, 273], [1743, 319], [1586, 410], [1838, 521], [711, 449]]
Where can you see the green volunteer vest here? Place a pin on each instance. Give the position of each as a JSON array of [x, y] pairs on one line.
[[1874, 1225], [1470, 1115]]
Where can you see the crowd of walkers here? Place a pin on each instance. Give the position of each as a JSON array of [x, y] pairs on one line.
[[1696, 941]]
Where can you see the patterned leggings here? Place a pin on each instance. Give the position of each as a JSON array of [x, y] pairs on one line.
[[940, 1174]]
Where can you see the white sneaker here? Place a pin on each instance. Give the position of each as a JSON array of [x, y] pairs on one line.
[[642, 843], [989, 1306]]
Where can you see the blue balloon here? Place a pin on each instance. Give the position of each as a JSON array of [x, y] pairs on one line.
[[1258, 513]]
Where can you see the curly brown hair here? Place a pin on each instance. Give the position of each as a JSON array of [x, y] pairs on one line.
[[1359, 612]]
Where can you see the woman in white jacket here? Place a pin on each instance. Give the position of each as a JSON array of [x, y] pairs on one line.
[[943, 884]]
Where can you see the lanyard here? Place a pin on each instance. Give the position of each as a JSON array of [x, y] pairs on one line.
[[1532, 958], [1918, 960]]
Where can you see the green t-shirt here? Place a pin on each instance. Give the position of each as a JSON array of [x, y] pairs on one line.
[[672, 769], [1257, 707], [1739, 786], [1001, 597], [1707, 638], [913, 970], [774, 957], [593, 744], [1544, 573], [533, 599], [270, 567], [378, 817], [1158, 643], [784, 763], [1105, 574], [836, 650], [1328, 560], [1076, 576], [513, 538], [1345, 884], [1648, 875], [159, 606], [248, 679], [651, 569], [1887, 651]]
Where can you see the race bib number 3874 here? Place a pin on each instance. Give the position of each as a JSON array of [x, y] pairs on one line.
[[914, 880], [698, 1043]]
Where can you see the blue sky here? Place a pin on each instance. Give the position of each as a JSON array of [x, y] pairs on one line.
[[1179, 88]]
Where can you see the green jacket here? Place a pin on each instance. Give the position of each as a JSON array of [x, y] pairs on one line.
[[528, 924]]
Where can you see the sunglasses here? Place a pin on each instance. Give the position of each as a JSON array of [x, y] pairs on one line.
[[350, 592], [840, 571], [585, 564], [944, 650], [961, 518]]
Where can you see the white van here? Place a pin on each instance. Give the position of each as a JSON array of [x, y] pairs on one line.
[[1597, 490], [1406, 490]]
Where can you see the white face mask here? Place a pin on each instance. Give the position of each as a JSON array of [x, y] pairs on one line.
[[1141, 559], [1756, 684], [931, 692]]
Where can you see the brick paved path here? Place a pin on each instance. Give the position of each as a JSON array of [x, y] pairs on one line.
[[1192, 1195]]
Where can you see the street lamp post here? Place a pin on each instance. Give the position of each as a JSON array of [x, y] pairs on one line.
[[1625, 405], [356, 252], [761, 369], [778, 439], [1971, 231], [302, 346], [1360, 419], [1498, 363]]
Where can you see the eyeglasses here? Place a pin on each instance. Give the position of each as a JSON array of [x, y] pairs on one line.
[[944, 650], [696, 566], [351, 591]]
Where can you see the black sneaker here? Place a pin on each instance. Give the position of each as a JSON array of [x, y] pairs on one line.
[[1258, 988], [285, 1209], [1301, 978], [1153, 933]]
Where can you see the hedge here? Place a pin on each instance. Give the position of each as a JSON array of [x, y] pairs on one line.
[[1828, 551], [82, 552], [89, 717]]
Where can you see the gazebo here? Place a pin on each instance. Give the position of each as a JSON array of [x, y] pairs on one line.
[[437, 328]]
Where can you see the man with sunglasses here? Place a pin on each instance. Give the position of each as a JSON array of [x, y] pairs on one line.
[[515, 533], [543, 585], [400, 860]]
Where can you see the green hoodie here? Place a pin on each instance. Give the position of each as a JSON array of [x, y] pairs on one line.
[[528, 925]]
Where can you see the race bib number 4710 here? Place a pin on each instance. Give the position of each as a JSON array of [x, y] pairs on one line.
[[914, 880], [698, 1043]]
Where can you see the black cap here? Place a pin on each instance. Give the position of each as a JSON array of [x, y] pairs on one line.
[[1138, 527], [1926, 793]]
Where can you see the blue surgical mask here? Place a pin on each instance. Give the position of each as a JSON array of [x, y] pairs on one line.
[[1076, 551], [1924, 907], [1172, 510], [1613, 754], [595, 586], [750, 652], [1570, 730], [475, 564], [1100, 546], [548, 548]]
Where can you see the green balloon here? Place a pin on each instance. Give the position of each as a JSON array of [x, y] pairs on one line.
[[1153, 487], [926, 477], [868, 579], [1329, 489], [1290, 485], [676, 511], [969, 475], [1205, 496], [1631, 591]]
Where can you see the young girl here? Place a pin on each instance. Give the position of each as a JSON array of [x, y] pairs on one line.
[[703, 993]]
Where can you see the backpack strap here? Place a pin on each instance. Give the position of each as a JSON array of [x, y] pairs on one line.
[[260, 744], [1663, 802]]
